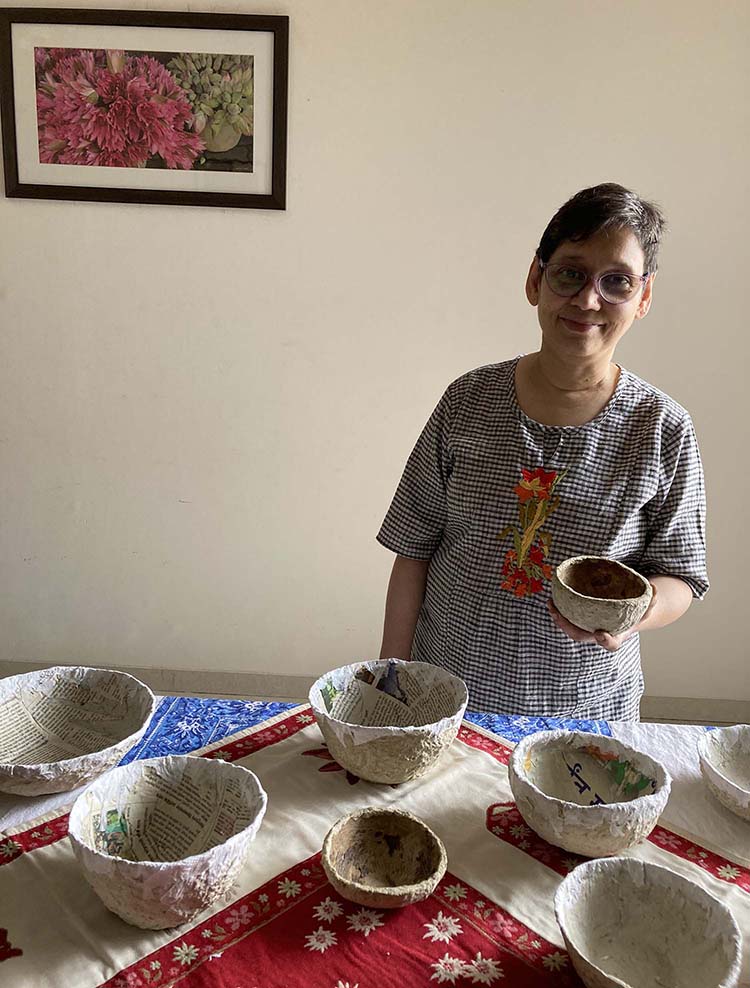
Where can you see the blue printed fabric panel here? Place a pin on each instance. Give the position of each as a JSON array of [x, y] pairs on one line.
[[184, 723], [515, 728]]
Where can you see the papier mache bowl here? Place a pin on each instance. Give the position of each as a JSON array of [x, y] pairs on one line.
[[587, 793], [388, 720], [600, 594], [631, 924], [383, 858], [64, 726], [725, 764], [159, 840]]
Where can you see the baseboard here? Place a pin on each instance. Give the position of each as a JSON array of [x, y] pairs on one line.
[[692, 710], [689, 710], [169, 682]]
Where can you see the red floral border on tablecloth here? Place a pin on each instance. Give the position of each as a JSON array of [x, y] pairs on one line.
[[475, 739], [506, 823], [51, 831], [29, 840], [454, 911]]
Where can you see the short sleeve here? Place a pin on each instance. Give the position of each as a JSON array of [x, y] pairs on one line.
[[417, 516], [676, 538]]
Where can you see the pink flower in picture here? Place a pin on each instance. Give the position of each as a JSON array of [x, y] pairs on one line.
[[111, 108]]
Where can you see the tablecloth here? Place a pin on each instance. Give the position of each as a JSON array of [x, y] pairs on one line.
[[490, 921]]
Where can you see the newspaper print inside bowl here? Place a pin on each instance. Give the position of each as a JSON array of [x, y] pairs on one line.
[[587, 793], [725, 764], [62, 727], [388, 720], [631, 924], [600, 594], [160, 840], [383, 859]]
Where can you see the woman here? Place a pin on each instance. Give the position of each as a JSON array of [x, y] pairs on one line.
[[554, 454]]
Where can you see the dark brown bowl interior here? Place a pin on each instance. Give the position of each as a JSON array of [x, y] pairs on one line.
[[384, 851], [603, 578]]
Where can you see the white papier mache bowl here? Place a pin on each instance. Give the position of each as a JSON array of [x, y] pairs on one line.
[[386, 750], [725, 764], [160, 840], [587, 793], [631, 924], [62, 727]]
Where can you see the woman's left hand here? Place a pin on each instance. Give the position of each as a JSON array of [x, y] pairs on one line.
[[602, 638]]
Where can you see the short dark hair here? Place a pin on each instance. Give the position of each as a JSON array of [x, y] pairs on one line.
[[605, 207]]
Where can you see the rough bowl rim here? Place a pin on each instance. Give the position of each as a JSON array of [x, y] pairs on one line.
[[550, 736], [704, 745], [127, 863], [393, 891], [385, 729], [618, 862], [601, 600], [19, 768]]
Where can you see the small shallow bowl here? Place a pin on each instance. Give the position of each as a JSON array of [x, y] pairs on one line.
[[66, 725], [599, 594], [587, 793], [386, 751], [631, 924], [159, 840], [725, 764], [383, 858]]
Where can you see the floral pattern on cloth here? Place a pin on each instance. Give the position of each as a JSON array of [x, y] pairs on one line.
[[516, 728], [296, 931], [331, 765], [12, 847], [184, 723], [506, 823], [525, 568], [7, 950]]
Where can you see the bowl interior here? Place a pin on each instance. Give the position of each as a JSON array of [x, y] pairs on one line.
[[602, 578], [169, 809], [389, 693], [63, 713], [583, 772], [728, 751], [384, 850], [650, 930]]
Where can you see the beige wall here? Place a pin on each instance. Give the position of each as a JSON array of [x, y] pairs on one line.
[[204, 412]]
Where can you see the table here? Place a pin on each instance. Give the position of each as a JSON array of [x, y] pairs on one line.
[[490, 921]]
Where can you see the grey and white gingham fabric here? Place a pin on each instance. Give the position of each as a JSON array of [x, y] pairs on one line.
[[630, 487]]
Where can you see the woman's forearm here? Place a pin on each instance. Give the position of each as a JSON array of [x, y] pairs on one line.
[[406, 589], [673, 597]]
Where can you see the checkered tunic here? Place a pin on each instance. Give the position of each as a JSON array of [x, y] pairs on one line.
[[630, 486]]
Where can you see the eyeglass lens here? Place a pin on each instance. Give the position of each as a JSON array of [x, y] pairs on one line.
[[616, 286]]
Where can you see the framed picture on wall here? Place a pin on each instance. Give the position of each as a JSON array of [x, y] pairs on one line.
[[144, 106]]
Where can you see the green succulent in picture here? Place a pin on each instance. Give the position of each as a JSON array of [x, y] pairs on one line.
[[219, 89]]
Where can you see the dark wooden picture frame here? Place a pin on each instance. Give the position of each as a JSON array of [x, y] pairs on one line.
[[161, 179]]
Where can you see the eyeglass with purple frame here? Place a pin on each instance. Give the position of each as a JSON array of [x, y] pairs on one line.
[[566, 280]]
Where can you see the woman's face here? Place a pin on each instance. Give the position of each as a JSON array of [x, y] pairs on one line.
[[584, 325]]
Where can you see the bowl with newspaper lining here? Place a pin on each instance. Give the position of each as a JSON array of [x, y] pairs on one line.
[[159, 840], [587, 793], [62, 727], [388, 720]]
